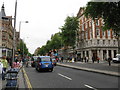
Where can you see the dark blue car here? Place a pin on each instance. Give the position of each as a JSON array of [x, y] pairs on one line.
[[44, 63]]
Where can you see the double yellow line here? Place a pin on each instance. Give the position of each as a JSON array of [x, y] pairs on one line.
[[27, 79]]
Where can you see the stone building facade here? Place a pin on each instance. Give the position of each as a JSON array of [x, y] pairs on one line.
[[92, 41], [6, 34]]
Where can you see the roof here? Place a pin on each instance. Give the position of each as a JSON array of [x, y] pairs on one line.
[[2, 13]]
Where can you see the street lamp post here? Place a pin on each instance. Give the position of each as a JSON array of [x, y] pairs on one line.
[[19, 34], [20, 26], [14, 32]]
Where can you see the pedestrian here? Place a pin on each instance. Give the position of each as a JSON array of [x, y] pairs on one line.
[[109, 60], [10, 62], [61, 59], [5, 66], [98, 59], [1, 67], [87, 59], [93, 59]]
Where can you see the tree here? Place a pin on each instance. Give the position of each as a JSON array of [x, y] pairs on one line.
[[69, 31], [22, 48], [54, 43], [110, 12]]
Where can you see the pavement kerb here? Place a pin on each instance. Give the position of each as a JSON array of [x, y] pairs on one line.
[[91, 70], [26, 79]]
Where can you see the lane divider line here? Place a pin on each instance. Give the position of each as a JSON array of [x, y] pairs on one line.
[[27, 80], [90, 87], [64, 76]]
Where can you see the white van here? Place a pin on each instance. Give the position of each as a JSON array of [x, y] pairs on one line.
[[117, 58]]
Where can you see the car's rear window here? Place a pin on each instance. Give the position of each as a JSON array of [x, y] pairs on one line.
[[45, 59]]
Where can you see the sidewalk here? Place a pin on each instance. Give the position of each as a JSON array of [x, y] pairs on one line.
[[101, 67], [21, 81]]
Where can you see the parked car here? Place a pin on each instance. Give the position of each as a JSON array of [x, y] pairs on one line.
[[33, 60], [54, 61], [117, 58], [44, 63]]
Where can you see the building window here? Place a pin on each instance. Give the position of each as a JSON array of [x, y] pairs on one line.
[[102, 22], [86, 34], [90, 33], [3, 44], [97, 22], [103, 42], [109, 42], [82, 19], [103, 33], [90, 23], [98, 41], [91, 41], [98, 32], [86, 43], [108, 32], [82, 27], [114, 42], [86, 25]]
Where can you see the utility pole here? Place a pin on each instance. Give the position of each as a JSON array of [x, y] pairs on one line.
[[14, 29]]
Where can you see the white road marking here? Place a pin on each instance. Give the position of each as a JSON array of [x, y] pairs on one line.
[[90, 87], [64, 76]]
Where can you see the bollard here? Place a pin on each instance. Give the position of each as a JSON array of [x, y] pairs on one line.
[[12, 79]]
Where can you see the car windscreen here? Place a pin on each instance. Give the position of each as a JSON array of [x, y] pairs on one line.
[[45, 59]]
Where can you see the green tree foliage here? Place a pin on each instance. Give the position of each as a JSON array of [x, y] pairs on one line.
[[69, 31], [54, 43], [22, 48], [110, 12]]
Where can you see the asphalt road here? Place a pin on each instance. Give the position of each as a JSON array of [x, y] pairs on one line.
[[63, 77]]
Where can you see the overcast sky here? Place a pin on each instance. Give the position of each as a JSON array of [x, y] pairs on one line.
[[44, 16]]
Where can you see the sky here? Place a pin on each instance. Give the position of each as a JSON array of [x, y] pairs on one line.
[[44, 17]]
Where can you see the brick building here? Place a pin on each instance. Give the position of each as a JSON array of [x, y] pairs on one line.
[[6, 33], [92, 40]]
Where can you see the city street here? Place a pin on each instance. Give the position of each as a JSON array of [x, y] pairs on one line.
[[78, 42], [63, 77]]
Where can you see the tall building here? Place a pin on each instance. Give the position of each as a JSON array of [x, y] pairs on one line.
[[93, 41], [6, 33]]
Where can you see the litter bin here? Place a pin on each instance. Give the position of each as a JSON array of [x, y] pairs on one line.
[[12, 79]]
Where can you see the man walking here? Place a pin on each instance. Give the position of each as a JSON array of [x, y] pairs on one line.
[[93, 59], [109, 60]]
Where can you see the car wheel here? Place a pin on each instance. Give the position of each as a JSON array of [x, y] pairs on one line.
[[51, 69], [114, 61], [37, 68]]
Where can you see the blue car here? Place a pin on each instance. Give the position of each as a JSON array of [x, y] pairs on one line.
[[44, 63]]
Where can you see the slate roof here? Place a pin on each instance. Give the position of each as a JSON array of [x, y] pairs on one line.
[[2, 13]]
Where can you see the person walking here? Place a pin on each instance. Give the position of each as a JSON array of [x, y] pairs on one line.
[[5, 66], [93, 59], [109, 60], [61, 59], [98, 59], [87, 59], [1, 67]]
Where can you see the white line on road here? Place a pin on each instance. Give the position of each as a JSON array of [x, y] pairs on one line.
[[90, 87], [64, 76]]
